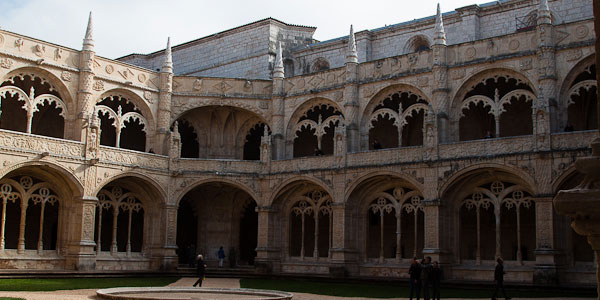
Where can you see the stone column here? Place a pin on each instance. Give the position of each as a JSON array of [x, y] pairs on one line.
[[431, 133], [547, 78], [545, 253], [267, 255], [164, 255], [431, 232], [80, 244]]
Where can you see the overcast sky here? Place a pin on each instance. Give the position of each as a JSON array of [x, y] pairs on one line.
[[123, 27]]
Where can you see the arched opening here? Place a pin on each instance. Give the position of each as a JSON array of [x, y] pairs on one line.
[[390, 219], [416, 44], [253, 140], [223, 216], [120, 219], [288, 67], [320, 64], [219, 132], [31, 104], [497, 106], [495, 215], [303, 221], [397, 118], [314, 131], [582, 101], [122, 123], [189, 139]]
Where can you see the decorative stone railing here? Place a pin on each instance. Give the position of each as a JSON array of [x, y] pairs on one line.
[[130, 158], [12, 141], [28, 143], [217, 166]]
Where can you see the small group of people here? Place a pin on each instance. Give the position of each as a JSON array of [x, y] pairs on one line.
[[425, 276]]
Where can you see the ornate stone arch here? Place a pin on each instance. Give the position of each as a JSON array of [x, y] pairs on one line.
[[181, 193], [525, 179], [183, 105], [280, 187], [480, 76], [137, 101], [567, 88], [143, 178], [49, 169], [358, 181], [301, 111], [56, 83], [416, 43], [375, 110]]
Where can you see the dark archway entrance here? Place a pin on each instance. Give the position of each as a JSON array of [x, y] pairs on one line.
[[217, 214]]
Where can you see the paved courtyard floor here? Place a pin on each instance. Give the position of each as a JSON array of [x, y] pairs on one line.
[[187, 282]]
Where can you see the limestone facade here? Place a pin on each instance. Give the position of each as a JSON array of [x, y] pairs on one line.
[[445, 137]]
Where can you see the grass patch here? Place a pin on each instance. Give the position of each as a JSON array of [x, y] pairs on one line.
[[400, 290], [51, 284], [8, 298]]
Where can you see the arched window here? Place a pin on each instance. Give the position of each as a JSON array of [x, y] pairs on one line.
[[497, 106], [497, 219], [582, 102], [398, 120], [119, 221], [29, 103], [30, 214], [189, 139], [390, 214], [122, 123], [320, 64], [311, 225], [288, 67], [253, 140], [416, 44], [314, 131]]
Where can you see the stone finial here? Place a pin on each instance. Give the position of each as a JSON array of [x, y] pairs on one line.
[[352, 56], [168, 63], [88, 41], [440, 34], [278, 71], [544, 13]]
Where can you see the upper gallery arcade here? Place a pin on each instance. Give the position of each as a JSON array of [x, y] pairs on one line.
[[444, 136]]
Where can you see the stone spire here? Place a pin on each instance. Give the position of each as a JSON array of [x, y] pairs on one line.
[[352, 56], [544, 13], [278, 71], [88, 41], [440, 34], [168, 63]]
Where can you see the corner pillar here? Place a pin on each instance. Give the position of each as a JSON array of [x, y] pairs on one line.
[[80, 254]]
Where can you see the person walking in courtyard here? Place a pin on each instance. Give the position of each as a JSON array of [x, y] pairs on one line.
[[436, 278], [415, 279], [221, 256], [426, 277], [499, 279], [200, 270]]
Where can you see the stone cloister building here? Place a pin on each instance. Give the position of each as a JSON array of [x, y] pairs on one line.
[[446, 136]]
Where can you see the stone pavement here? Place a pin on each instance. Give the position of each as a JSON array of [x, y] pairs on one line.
[[187, 282]]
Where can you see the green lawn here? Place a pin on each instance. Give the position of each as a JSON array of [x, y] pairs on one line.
[[7, 298], [80, 283], [390, 290]]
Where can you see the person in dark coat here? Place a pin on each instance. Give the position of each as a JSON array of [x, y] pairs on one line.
[[426, 277], [436, 278], [499, 278], [415, 279], [200, 270]]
